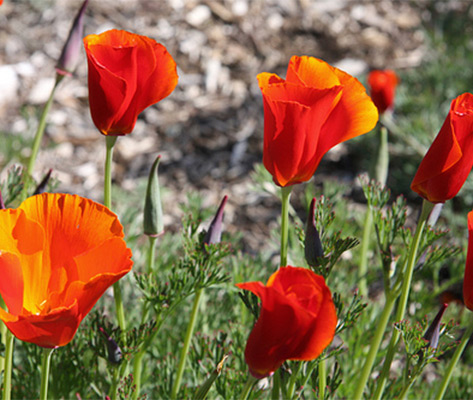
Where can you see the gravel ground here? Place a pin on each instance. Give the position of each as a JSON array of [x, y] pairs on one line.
[[209, 130]]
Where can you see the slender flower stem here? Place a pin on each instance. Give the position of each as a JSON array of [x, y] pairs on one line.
[[365, 246], [149, 270], [322, 379], [187, 342], [292, 381], [453, 362], [248, 386], [402, 304], [41, 126], [285, 196], [45, 373], [276, 385], [9, 342], [375, 343], [3, 332]]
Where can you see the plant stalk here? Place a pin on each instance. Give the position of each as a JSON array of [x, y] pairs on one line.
[[285, 196], [9, 343], [322, 379], [186, 345], [45, 364], [248, 387]]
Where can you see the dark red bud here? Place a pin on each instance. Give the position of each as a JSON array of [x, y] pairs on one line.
[[44, 182], [214, 233], [312, 244], [114, 351], [433, 331]]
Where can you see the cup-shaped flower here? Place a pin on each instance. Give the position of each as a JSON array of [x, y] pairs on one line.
[[447, 163], [127, 73], [58, 255], [382, 85], [315, 108], [297, 320], [468, 278]]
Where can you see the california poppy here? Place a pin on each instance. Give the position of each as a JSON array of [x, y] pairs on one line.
[[468, 279], [297, 320], [314, 109], [382, 85], [58, 255], [127, 73], [448, 162]]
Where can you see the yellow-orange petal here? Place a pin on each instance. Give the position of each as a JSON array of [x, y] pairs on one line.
[[311, 72]]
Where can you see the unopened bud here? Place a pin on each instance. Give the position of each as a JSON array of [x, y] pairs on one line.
[[71, 51], [153, 212], [44, 182], [113, 350], [214, 233], [312, 244], [2, 204], [433, 332]]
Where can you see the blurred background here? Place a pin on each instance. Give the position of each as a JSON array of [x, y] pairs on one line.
[[209, 131]]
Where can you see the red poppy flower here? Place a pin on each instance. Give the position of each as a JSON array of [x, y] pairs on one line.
[[297, 320], [382, 85], [468, 279], [58, 255], [314, 109], [447, 164], [127, 73]]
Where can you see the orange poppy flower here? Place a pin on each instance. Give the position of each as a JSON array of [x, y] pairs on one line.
[[58, 255], [297, 320], [382, 85], [447, 164], [314, 109], [468, 279], [127, 73]]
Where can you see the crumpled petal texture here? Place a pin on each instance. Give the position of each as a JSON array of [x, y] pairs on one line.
[[297, 320], [58, 255], [314, 109], [448, 162], [127, 73], [382, 85], [468, 278]]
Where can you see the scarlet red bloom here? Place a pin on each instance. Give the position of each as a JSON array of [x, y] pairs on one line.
[[127, 73], [59, 253], [297, 320], [382, 85], [468, 279], [314, 109], [445, 167]]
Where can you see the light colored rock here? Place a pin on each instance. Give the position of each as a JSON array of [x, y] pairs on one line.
[[355, 67], [41, 91], [198, 15], [9, 84]]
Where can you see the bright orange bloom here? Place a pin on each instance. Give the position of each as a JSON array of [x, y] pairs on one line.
[[127, 73], [59, 253], [297, 320], [447, 164], [382, 85], [314, 109], [468, 279]]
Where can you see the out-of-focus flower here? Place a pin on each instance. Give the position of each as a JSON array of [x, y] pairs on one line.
[[127, 73], [445, 167], [59, 253], [214, 233], [71, 51], [297, 320], [314, 109], [382, 85], [468, 278]]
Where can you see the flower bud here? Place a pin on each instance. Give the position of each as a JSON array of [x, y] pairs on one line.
[[214, 233], [71, 50], [433, 332], [312, 244], [153, 213], [113, 350], [42, 185], [2, 204]]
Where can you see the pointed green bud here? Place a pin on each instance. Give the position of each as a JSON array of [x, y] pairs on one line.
[[312, 244], [153, 213]]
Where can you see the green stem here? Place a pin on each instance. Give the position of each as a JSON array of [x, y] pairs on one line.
[[149, 271], [453, 362], [248, 387], [322, 379], [3, 332], [365, 245], [186, 345], [285, 196], [46, 362], [41, 126], [375, 343], [276, 385], [9, 342], [292, 381], [402, 304], [382, 162], [115, 381]]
